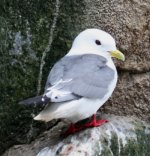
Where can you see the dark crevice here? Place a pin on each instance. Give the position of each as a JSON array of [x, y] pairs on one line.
[[132, 71]]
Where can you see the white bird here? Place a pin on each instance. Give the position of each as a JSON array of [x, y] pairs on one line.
[[82, 81]]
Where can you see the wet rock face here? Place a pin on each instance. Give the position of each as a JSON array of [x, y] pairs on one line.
[[121, 136], [25, 33]]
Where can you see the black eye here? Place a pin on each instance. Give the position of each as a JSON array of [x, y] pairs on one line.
[[97, 42]]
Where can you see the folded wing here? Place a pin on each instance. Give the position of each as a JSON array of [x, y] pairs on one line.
[[79, 76]]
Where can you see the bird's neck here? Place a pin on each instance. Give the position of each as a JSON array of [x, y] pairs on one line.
[[75, 51], [82, 51], [111, 64]]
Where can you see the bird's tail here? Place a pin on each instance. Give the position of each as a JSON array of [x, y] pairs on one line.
[[37, 100]]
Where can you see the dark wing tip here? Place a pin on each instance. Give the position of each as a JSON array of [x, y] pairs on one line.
[[38, 100]]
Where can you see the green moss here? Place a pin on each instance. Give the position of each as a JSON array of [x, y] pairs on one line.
[[24, 33], [101, 148], [114, 145], [139, 146]]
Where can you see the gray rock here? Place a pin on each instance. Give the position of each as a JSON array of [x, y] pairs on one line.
[[120, 136]]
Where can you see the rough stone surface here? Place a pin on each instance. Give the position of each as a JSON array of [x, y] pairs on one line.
[[121, 136], [132, 96], [129, 22]]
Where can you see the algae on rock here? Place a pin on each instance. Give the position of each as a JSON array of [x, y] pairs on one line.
[[24, 35]]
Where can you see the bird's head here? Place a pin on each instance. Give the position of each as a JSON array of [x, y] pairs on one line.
[[95, 41]]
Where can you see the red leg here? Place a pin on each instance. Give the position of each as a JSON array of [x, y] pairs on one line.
[[71, 130], [94, 123]]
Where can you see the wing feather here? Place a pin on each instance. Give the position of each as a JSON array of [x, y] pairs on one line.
[[79, 76]]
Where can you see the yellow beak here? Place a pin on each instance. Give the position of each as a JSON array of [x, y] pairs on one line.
[[118, 54]]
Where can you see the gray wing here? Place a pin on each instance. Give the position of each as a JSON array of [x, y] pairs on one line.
[[79, 76], [55, 75]]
